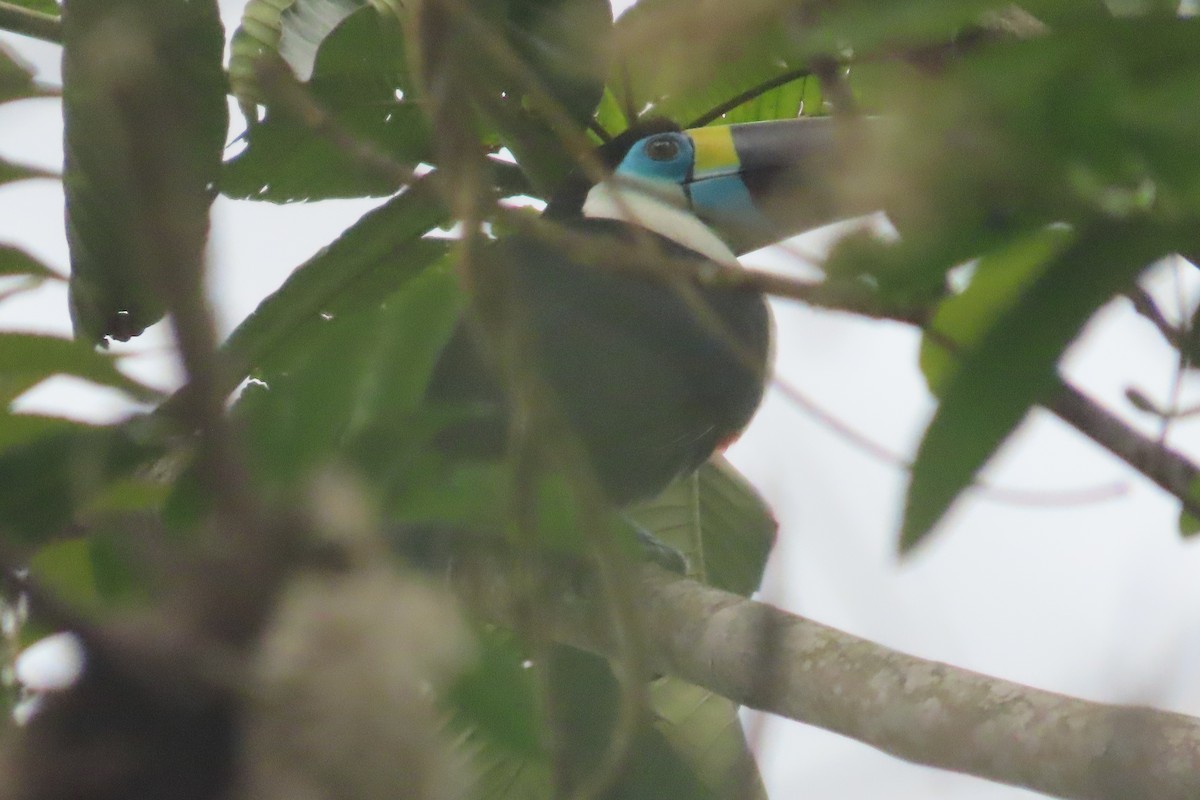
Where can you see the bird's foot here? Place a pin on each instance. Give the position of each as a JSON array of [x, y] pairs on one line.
[[655, 550]]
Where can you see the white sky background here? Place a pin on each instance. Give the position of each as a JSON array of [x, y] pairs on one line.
[[1097, 599]]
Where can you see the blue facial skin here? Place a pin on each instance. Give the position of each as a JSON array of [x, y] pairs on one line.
[[666, 157], [721, 200]]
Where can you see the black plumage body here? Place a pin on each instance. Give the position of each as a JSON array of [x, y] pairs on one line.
[[650, 386]]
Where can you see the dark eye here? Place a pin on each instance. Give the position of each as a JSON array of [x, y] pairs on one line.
[[662, 148]]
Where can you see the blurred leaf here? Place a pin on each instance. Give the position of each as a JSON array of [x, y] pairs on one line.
[[304, 26], [791, 99], [683, 77], [348, 382], [720, 524], [497, 699], [511, 758], [706, 730], [145, 122], [501, 777], [868, 25], [300, 414], [256, 36], [971, 150], [998, 281], [136, 493], [610, 116], [513, 73], [360, 78], [89, 572], [419, 320], [1189, 525], [372, 258], [285, 162], [27, 359], [297, 30], [18, 428], [16, 77], [563, 42], [1013, 365], [65, 568], [585, 697], [471, 496], [10, 172], [43, 6], [15, 261], [45, 481], [1142, 402]]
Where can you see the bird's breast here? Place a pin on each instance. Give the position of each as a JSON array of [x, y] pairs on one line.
[[653, 375]]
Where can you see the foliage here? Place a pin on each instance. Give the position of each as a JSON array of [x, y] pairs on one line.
[[1053, 146]]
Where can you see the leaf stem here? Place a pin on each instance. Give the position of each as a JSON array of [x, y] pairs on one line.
[[27, 22]]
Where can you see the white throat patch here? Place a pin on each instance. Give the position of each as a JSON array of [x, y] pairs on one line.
[[657, 214]]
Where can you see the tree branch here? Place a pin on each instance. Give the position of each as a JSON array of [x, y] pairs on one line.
[[33, 24], [922, 711], [1168, 468]]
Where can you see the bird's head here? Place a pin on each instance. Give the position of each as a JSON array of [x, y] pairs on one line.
[[747, 185]]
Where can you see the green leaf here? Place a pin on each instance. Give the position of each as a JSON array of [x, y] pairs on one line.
[[93, 571], [799, 95], [514, 73], [16, 77], [145, 123], [1013, 365], [304, 26], [469, 496], [27, 359], [10, 172], [564, 43], [704, 728], [585, 698], [132, 494], [15, 261], [297, 31], [18, 428], [498, 707], [998, 281], [41, 6], [497, 699], [1189, 524], [360, 77], [685, 77], [374, 257], [256, 36], [45, 482], [347, 382], [718, 521], [863, 26], [610, 116], [65, 568]]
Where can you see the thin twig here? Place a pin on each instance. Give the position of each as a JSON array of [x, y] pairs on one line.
[[1171, 470], [1144, 304], [34, 24]]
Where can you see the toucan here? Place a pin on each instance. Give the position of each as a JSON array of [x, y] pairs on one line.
[[654, 370]]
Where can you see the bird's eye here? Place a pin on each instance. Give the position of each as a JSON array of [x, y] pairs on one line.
[[662, 148]]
